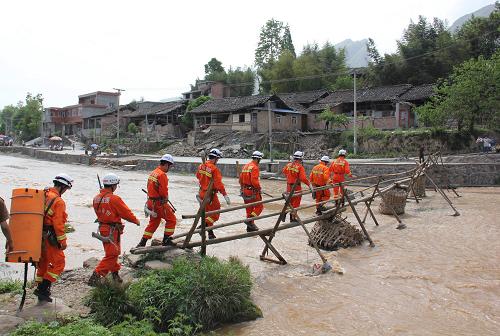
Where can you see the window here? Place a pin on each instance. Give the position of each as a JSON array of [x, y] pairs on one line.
[[294, 120], [278, 119], [242, 118]]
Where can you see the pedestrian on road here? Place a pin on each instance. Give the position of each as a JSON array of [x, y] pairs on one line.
[[421, 154], [157, 203], [110, 210], [251, 189], [206, 172], [52, 260]]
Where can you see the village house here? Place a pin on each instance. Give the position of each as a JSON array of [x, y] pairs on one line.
[[385, 107], [207, 88], [249, 114], [69, 120]]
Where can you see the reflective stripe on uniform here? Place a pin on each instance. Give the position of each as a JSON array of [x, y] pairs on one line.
[[209, 219], [38, 279], [169, 230], [253, 214], [148, 234], [152, 178], [205, 173], [61, 237], [293, 169], [55, 276]]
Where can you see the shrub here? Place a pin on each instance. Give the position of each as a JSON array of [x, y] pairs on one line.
[[10, 286], [78, 328], [208, 293], [108, 303]]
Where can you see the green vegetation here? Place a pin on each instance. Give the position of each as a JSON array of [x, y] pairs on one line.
[[240, 80], [208, 293], [471, 95], [335, 119], [277, 155], [10, 286], [187, 119], [132, 128], [23, 120], [191, 296]]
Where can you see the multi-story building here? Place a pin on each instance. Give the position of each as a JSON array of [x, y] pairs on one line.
[[69, 120]]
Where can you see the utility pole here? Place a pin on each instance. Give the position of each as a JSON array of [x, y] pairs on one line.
[[355, 127], [270, 130], [118, 121]]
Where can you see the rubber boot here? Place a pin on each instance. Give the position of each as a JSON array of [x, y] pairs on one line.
[[116, 277], [167, 241], [211, 234], [142, 243], [43, 291], [251, 227], [94, 279]]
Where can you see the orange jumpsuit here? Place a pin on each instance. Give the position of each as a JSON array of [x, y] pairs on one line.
[[207, 171], [52, 260], [295, 171], [320, 176], [339, 168], [157, 201], [250, 188], [110, 209]]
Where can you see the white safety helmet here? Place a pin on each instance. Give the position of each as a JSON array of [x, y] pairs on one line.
[[342, 152], [64, 179], [325, 158], [215, 153], [167, 157], [257, 155], [110, 179], [298, 155]]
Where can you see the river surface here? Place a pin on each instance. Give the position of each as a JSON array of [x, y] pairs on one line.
[[440, 276]]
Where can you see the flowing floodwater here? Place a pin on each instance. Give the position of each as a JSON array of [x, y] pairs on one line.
[[440, 276]]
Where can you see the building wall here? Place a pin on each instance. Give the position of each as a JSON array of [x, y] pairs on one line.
[[107, 100], [279, 122]]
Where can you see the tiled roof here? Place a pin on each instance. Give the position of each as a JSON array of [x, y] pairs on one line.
[[306, 97], [420, 92], [381, 93], [230, 104], [153, 108]]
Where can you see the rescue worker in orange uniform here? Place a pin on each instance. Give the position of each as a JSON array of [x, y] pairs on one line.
[[206, 172], [52, 260], [250, 189], [320, 176], [110, 210], [295, 171], [339, 168], [157, 204]]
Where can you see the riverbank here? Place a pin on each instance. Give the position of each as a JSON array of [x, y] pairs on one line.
[[471, 170]]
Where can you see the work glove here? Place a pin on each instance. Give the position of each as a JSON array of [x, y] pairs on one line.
[[228, 201]]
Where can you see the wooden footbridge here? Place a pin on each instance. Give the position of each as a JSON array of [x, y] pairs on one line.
[[371, 188]]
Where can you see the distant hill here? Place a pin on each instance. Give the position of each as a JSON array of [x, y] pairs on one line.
[[356, 54], [482, 12]]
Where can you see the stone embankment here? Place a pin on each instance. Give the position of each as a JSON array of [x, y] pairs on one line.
[[469, 172]]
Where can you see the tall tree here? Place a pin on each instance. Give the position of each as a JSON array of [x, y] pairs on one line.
[[215, 71], [273, 39], [27, 121], [471, 95], [240, 81], [7, 119]]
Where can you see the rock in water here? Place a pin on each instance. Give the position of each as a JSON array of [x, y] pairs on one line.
[[334, 233]]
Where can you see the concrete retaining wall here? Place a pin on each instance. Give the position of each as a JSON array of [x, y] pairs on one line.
[[47, 155], [459, 174]]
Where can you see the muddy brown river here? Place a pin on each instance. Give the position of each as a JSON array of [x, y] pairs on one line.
[[440, 276]]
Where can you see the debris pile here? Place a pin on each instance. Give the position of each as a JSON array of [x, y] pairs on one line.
[[334, 233]]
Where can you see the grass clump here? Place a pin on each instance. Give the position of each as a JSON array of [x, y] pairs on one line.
[[108, 303], [205, 294], [11, 286], [77, 328]]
